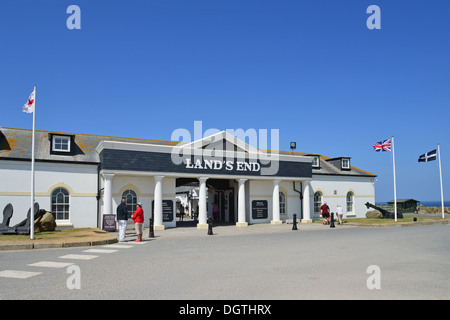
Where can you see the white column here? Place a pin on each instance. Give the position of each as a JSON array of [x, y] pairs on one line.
[[276, 202], [241, 204], [158, 215], [306, 203], [107, 193], [202, 223]]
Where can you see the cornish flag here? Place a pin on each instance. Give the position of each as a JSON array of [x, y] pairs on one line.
[[382, 146], [29, 106], [429, 156]]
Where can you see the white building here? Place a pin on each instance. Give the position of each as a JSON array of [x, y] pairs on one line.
[[81, 177]]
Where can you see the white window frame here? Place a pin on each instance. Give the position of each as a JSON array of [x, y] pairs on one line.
[[54, 148], [345, 163], [283, 207], [131, 201], [350, 202], [316, 162], [65, 204], [318, 204]]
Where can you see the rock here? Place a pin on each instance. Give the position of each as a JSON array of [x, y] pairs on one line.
[[46, 222], [374, 214]]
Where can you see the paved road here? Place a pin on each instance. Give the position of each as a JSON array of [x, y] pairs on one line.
[[315, 262]]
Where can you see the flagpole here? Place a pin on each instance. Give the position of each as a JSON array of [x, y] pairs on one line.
[[440, 175], [32, 172], [395, 188]]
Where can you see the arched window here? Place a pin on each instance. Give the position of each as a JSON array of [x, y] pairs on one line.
[[317, 201], [350, 198], [282, 203], [131, 203], [60, 204]]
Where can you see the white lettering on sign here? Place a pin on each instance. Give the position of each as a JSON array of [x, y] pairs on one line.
[[218, 165]]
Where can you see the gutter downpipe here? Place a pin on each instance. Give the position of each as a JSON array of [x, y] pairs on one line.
[[301, 198]]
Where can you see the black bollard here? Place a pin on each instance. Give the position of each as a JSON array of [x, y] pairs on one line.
[[332, 220], [210, 232], [151, 233], [294, 227]]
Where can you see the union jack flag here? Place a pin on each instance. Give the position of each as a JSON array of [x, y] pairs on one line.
[[382, 146]]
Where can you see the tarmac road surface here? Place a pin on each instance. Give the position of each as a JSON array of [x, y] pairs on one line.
[[315, 262]]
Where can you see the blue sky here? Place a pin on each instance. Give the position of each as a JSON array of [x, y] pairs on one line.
[[311, 69]]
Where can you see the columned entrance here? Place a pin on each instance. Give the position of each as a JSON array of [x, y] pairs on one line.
[[215, 199], [236, 183]]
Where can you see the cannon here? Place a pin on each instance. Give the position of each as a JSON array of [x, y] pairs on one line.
[[386, 214]]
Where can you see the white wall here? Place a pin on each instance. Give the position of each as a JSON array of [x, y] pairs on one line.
[[263, 189], [335, 189], [144, 186], [79, 180]]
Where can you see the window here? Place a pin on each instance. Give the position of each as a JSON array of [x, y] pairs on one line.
[[61, 143], [131, 203], [350, 198], [317, 201], [60, 204], [282, 203], [315, 162], [345, 163]]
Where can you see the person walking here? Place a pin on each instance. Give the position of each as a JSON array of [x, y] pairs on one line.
[[138, 218], [339, 214], [325, 211], [122, 219]]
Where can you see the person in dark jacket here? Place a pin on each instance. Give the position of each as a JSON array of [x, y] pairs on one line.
[[122, 219]]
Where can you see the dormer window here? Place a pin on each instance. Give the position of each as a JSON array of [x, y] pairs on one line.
[[345, 164], [61, 144], [315, 162]]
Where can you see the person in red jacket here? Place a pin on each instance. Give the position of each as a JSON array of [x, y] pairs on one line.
[[325, 211], [138, 218]]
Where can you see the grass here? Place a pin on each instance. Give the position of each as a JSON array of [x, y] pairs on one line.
[[65, 235]]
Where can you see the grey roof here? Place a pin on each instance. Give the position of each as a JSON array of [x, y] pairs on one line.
[[16, 144]]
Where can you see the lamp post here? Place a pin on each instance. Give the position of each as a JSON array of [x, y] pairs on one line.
[[293, 146]]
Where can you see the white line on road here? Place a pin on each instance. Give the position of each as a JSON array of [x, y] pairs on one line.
[[100, 251], [118, 246], [18, 274], [78, 256], [51, 264]]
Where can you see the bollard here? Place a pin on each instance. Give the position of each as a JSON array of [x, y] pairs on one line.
[[151, 233], [294, 227], [210, 232], [332, 220]]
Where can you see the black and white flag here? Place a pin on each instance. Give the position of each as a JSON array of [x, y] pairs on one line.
[[429, 156]]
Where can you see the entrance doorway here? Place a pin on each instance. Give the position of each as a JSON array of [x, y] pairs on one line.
[[220, 200]]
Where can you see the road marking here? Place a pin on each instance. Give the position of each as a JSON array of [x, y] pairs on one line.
[[51, 264], [119, 246], [100, 251], [142, 242], [18, 274], [78, 256]]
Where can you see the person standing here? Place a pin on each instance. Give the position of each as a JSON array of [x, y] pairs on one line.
[[122, 219], [216, 212], [181, 211], [325, 211], [339, 214], [138, 218]]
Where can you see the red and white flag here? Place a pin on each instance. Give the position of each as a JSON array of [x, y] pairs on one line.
[[29, 106]]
